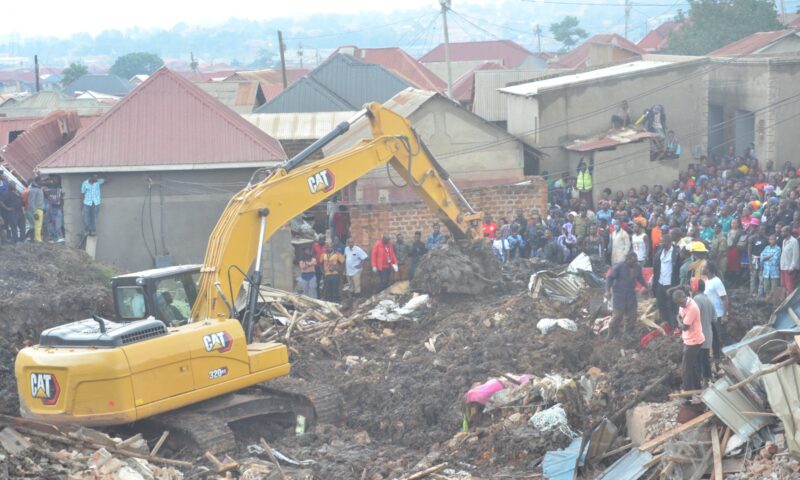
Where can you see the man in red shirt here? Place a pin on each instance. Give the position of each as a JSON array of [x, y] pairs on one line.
[[489, 227], [384, 261], [693, 339]]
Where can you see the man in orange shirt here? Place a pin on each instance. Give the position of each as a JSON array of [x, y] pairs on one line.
[[332, 264], [693, 339]]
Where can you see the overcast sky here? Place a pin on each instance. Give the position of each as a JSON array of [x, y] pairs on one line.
[[61, 18]]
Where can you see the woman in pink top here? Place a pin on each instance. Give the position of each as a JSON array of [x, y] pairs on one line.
[[693, 338]]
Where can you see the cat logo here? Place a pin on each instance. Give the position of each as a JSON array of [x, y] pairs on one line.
[[45, 386], [219, 341], [321, 181]]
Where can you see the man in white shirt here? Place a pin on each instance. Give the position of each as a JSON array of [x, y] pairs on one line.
[[354, 256], [715, 291], [790, 260]]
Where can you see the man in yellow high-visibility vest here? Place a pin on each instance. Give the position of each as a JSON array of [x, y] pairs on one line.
[[584, 185]]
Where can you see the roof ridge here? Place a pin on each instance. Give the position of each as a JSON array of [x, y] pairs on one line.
[[234, 119]]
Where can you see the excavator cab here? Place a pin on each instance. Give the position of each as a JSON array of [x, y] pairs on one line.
[[166, 294]]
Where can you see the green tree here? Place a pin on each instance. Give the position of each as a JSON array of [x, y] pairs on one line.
[[138, 63], [73, 72], [567, 32], [715, 23]]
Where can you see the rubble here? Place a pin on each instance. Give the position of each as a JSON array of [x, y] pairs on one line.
[[452, 269]]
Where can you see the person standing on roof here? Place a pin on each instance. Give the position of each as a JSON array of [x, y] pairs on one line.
[[622, 282], [584, 184], [90, 189], [384, 261]]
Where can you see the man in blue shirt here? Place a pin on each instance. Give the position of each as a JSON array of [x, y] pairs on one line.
[[622, 282], [435, 238], [90, 189]]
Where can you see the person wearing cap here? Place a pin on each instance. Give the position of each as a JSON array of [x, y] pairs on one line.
[[770, 266], [756, 243], [622, 281], [790, 260], [700, 256]]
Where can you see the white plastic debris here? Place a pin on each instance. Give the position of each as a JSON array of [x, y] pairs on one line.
[[390, 311], [546, 324], [553, 418]]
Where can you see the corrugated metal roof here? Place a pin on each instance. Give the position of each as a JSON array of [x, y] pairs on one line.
[[297, 126], [269, 76], [15, 124], [578, 57], [506, 52], [41, 140], [42, 103], [107, 83], [754, 43], [561, 464], [241, 97], [488, 102], [729, 407], [629, 467], [609, 140], [398, 61], [404, 103], [166, 122], [464, 86], [533, 88], [340, 83]]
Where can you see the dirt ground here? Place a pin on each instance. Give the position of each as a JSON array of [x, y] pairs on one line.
[[44, 286], [403, 382]]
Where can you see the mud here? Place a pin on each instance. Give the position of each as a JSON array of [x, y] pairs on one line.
[[453, 269], [43, 286]]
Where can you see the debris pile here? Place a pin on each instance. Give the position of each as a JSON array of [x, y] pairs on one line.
[[451, 269]]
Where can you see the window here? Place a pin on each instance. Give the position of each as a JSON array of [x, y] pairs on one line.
[[172, 300], [530, 164], [131, 302]]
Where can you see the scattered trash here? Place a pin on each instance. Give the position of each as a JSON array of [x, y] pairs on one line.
[[544, 325], [390, 311], [554, 418]]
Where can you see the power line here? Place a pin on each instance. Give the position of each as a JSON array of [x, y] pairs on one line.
[[348, 32], [595, 4]]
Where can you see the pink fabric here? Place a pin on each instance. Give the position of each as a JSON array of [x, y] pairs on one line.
[[482, 393]]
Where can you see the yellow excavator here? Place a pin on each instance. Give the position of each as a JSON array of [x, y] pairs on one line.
[[182, 340]]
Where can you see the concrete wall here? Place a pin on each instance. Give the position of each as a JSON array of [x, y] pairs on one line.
[[474, 152], [187, 204], [627, 166], [754, 85], [559, 116]]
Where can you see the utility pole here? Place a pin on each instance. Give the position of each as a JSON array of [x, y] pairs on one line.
[[627, 16], [445, 6], [36, 70], [538, 32], [282, 47], [783, 12]]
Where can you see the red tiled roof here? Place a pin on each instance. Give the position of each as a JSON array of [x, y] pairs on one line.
[[507, 52], [753, 43], [40, 141], [464, 86], [579, 56], [658, 38], [167, 122], [399, 62]]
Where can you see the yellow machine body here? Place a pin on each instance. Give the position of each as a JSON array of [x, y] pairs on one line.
[[112, 386]]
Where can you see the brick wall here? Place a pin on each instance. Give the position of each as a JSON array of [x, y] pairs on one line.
[[368, 222]]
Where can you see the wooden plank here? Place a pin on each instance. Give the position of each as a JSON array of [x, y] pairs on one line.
[[695, 422], [159, 443], [761, 373], [684, 394], [723, 447], [717, 454]]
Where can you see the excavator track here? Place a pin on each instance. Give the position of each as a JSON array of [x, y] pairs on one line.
[[207, 426]]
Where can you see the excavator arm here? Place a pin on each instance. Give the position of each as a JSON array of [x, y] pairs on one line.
[[253, 215]]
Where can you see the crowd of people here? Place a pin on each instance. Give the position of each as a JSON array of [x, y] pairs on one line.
[[35, 213]]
